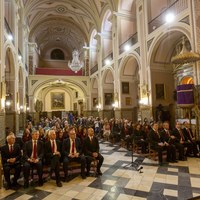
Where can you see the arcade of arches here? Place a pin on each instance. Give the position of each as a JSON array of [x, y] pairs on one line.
[[126, 47]]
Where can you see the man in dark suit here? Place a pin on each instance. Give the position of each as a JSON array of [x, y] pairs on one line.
[[33, 155], [11, 159], [167, 139], [72, 152], [157, 144], [91, 150], [179, 140], [192, 146], [53, 154]]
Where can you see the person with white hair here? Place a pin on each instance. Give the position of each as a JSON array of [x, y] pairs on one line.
[[11, 159], [53, 154]]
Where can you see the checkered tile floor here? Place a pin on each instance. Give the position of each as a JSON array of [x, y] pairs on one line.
[[121, 181]]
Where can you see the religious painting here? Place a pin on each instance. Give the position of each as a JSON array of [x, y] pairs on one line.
[[144, 90], [108, 99], [160, 91], [95, 102], [128, 101], [57, 100], [125, 87]]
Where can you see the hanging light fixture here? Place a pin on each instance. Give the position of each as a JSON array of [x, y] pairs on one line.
[[185, 56], [76, 64]]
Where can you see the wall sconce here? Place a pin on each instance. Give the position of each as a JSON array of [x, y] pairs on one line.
[[98, 106], [8, 103], [27, 109], [115, 104], [143, 101]]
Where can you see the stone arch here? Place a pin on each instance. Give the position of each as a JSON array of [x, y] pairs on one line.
[[67, 85], [129, 87], [106, 33], [163, 75], [10, 78], [94, 93], [107, 84], [93, 48], [21, 90]]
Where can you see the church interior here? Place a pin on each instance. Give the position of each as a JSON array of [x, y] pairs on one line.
[[130, 60]]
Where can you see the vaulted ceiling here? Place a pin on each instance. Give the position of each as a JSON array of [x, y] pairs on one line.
[[66, 24]]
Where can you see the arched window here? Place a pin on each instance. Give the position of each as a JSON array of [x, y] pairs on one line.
[[57, 54]]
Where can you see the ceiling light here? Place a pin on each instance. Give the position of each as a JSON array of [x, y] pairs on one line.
[[107, 62], [10, 37], [127, 47], [169, 17], [76, 64]]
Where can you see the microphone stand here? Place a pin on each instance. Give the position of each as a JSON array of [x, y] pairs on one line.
[[135, 165]]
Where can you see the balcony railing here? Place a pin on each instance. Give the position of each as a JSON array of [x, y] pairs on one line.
[[94, 69], [175, 8], [8, 29], [56, 72], [131, 41]]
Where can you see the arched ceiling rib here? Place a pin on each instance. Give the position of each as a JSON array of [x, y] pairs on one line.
[[64, 23]]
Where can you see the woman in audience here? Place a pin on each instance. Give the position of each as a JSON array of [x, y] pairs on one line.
[[26, 135]]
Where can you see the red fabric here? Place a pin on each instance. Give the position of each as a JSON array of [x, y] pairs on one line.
[[35, 150], [58, 72]]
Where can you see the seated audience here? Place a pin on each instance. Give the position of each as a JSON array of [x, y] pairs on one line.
[[167, 139], [192, 147], [139, 138], [33, 155], [53, 154], [91, 149], [72, 152], [11, 159], [178, 140], [157, 144]]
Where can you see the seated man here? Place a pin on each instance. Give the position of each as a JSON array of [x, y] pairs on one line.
[[52, 155], [72, 152], [167, 139], [157, 144], [91, 149], [179, 140], [11, 159], [139, 138], [33, 155], [192, 145]]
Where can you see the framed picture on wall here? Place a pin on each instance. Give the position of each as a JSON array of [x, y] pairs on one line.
[[125, 87], [128, 101], [57, 100], [108, 99], [160, 91]]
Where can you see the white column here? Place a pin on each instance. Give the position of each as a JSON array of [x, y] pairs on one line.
[[2, 58], [100, 88], [115, 42]]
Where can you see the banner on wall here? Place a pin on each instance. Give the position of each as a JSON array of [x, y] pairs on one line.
[[185, 95]]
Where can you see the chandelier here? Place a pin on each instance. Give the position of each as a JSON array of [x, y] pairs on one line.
[[76, 64], [185, 56]]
